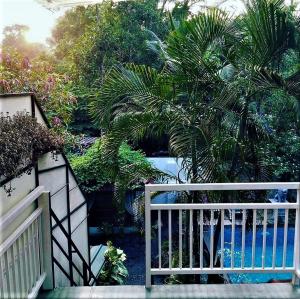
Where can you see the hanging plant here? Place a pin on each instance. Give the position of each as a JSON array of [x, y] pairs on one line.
[[22, 141]]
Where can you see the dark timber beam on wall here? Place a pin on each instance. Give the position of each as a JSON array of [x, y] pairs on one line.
[[35, 105], [51, 168], [52, 254], [71, 213], [69, 226]]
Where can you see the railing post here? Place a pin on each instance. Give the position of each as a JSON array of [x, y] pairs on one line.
[[148, 236], [297, 242], [46, 246], [85, 275]]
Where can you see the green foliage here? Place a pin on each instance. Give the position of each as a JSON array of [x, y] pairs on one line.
[[22, 142], [94, 169], [90, 168], [114, 271], [20, 74], [283, 156], [217, 69], [92, 39], [88, 41], [281, 149], [206, 80], [14, 39], [138, 100]]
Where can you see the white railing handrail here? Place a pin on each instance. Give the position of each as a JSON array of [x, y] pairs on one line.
[[14, 212], [19, 231], [24, 252], [222, 186], [199, 210], [223, 206]]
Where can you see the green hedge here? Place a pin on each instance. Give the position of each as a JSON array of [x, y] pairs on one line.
[[94, 170]]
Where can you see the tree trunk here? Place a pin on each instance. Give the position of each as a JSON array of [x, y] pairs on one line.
[[241, 136]]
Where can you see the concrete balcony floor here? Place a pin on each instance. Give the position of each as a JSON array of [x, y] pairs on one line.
[[234, 291]]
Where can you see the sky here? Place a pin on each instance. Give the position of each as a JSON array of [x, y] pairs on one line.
[[41, 20], [30, 13]]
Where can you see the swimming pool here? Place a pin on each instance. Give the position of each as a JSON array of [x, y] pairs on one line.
[[257, 277]]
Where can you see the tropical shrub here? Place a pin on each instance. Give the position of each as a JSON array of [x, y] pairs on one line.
[[22, 142], [89, 168], [114, 271], [130, 170], [94, 169], [218, 70], [53, 90]]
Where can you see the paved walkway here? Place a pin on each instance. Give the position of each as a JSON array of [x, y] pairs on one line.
[[233, 291]]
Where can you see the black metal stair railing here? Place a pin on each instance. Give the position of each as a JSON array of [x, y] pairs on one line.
[[86, 274]]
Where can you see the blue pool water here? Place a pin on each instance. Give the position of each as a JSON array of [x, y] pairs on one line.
[[255, 277]]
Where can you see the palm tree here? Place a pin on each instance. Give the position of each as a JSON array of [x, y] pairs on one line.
[[181, 99], [203, 96]]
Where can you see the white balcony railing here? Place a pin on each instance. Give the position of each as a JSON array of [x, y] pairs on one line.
[[22, 270], [202, 215]]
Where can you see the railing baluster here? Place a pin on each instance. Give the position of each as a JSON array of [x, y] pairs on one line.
[[170, 238], [263, 256], [33, 253], [211, 249], [7, 275], [275, 216], [148, 237], [40, 248], [4, 277], [16, 269], [180, 239], [26, 264], [159, 238], [1, 279], [191, 239], [2, 290], [296, 242], [12, 271], [253, 239], [35, 250], [13, 266], [222, 238], [201, 239], [286, 222], [31, 279], [232, 237], [243, 239], [20, 267], [37, 247]]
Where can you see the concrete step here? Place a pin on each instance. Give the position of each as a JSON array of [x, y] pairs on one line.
[[232, 291]]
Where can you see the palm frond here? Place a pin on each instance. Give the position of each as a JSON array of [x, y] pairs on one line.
[[267, 32]]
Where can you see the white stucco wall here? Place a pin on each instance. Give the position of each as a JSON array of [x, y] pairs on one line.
[[53, 180]]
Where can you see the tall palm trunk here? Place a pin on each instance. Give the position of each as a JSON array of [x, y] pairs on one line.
[[240, 138], [231, 175], [195, 199]]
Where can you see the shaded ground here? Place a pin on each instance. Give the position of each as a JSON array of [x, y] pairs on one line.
[[134, 247]]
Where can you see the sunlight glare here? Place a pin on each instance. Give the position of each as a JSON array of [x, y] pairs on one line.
[[28, 12]]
